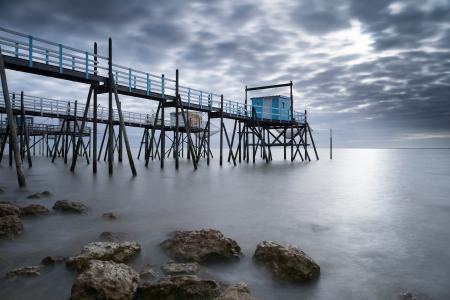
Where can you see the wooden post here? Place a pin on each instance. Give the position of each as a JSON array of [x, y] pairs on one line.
[[177, 96], [292, 124], [163, 133], [94, 125], [221, 130], [25, 130], [331, 143], [12, 126], [74, 133], [66, 145], [110, 111], [209, 137], [284, 142]]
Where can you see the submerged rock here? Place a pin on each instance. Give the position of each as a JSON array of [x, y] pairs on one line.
[[110, 215], [105, 280], [287, 263], [10, 226], [53, 260], [148, 272], [173, 268], [108, 236], [407, 296], [8, 209], [34, 210], [43, 194], [201, 246], [238, 291], [117, 252], [69, 206], [24, 272], [186, 287]]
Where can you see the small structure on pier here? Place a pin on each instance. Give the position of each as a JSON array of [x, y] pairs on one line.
[[272, 107], [194, 119]]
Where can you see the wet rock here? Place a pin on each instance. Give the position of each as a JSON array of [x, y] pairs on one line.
[[41, 195], [105, 280], [53, 260], [69, 206], [407, 296], [173, 268], [8, 209], [201, 246], [34, 210], [148, 272], [24, 272], [2, 190], [117, 252], [110, 216], [108, 236], [10, 226], [238, 291], [185, 287], [287, 263]]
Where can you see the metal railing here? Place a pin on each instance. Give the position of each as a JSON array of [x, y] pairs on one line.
[[35, 49]]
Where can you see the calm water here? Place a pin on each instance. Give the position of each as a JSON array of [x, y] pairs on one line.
[[377, 221]]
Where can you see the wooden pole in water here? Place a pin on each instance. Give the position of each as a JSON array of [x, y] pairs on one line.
[[110, 111], [12, 126], [163, 131], [25, 130], [221, 130], [94, 126], [331, 143], [176, 120]]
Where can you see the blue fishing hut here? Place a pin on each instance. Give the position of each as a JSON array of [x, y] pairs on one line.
[[272, 107]]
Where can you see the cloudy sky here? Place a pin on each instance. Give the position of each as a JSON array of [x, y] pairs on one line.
[[377, 72]]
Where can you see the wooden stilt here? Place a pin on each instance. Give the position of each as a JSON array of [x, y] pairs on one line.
[[25, 130]]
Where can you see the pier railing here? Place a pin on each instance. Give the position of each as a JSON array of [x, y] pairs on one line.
[[34, 49]]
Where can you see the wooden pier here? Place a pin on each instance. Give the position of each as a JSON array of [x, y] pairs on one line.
[[250, 133]]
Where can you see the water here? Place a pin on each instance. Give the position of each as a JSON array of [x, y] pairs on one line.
[[377, 221]]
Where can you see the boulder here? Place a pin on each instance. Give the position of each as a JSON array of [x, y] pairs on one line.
[[287, 263], [43, 194], [34, 210], [69, 206], [117, 252], [105, 280], [173, 268], [201, 246], [186, 287], [53, 260], [8, 209], [110, 216], [10, 226], [238, 291], [24, 272]]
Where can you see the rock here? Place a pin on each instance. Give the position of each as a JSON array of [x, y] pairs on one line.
[[53, 260], [201, 246], [34, 210], [108, 236], [24, 272], [2, 190], [407, 296], [173, 268], [43, 194], [105, 280], [238, 291], [184, 287], [10, 226], [148, 272], [117, 252], [69, 206], [110, 215], [287, 263], [8, 209]]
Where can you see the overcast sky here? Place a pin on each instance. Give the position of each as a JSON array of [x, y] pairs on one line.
[[377, 72]]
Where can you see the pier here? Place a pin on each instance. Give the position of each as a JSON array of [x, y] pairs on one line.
[[252, 131]]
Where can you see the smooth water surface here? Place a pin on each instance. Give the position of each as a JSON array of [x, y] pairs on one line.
[[377, 221]]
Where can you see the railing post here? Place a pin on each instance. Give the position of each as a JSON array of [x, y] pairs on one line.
[[73, 62], [17, 50], [60, 58], [162, 85], [189, 97], [129, 79], [87, 64], [30, 51], [134, 81], [46, 57], [200, 98], [148, 85]]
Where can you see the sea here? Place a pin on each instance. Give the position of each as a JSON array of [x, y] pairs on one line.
[[377, 221]]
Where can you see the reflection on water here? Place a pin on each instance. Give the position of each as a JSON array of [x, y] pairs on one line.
[[375, 220]]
